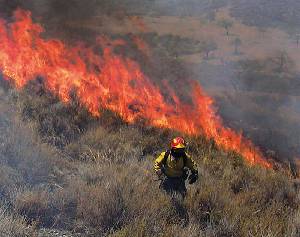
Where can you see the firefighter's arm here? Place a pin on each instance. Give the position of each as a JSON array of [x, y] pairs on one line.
[[159, 162], [191, 164]]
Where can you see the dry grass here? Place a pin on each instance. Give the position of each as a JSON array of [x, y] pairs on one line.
[[60, 168], [12, 225], [100, 182]]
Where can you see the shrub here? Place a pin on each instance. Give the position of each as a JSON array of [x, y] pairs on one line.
[[14, 225]]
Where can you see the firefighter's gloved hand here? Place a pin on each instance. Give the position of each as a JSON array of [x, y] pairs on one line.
[[193, 177], [185, 174]]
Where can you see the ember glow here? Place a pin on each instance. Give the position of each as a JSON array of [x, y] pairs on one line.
[[109, 81]]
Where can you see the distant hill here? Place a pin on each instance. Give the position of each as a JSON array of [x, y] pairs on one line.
[[268, 13], [261, 13]]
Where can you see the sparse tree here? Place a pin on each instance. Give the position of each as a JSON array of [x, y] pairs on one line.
[[297, 39], [282, 62], [262, 30], [237, 42], [208, 46], [226, 24]]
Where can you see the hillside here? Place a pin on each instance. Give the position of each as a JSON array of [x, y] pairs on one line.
[[62, 169], [91, 92], [256, 89], [268, 13]]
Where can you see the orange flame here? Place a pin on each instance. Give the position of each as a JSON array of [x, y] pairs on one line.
[[141, 45], [111, 82]]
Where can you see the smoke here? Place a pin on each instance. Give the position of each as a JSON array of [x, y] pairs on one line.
[[269, 116], [256, 98], [262, 103]]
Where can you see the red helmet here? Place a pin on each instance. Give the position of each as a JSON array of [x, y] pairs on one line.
[[177, 143]]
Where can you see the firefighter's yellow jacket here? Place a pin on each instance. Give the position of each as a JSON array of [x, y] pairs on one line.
[[174, 167]]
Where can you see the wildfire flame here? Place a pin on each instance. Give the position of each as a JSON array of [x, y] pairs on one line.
[[109, 81], [141, 45]]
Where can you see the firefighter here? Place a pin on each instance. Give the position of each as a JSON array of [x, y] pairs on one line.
[[172, 168]]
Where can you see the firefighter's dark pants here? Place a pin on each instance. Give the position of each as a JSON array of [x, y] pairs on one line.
[[174, 186]]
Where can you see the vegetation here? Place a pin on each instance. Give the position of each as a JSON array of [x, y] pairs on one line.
[[97, 179], [226, 24], [209, 46], [268, 13], [61, 169], [272, 74], [172, 45], [260, 13]]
